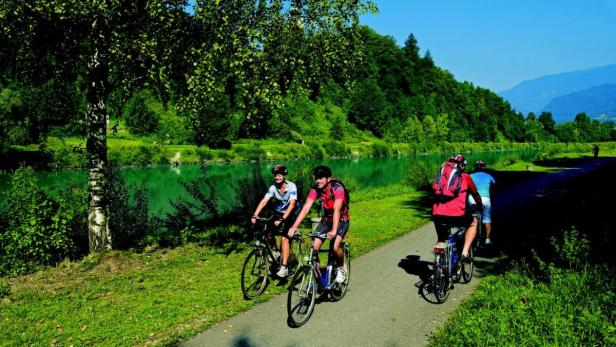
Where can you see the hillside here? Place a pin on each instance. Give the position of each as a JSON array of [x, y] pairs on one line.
[[597, 101], [534, 95]]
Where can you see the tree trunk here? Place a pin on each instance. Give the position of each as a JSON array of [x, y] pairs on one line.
[[99, 234]]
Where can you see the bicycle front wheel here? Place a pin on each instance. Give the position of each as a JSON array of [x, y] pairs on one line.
[[440, 284], [467, 267], [254, 274], [296, 257], [302, 297], [339, 289]]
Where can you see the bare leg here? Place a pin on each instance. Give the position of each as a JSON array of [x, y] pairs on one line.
[[488, 230], [338, 250], [284, 243], [469, 236]]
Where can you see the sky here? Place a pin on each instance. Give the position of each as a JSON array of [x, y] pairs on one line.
[[499, 43]]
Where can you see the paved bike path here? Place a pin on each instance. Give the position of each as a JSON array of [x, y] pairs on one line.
[[383, 306]]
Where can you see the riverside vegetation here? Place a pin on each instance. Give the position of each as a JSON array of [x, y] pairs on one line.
[[155, 294]]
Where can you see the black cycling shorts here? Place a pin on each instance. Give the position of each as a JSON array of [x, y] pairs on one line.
[[323, 228], [444, 223]]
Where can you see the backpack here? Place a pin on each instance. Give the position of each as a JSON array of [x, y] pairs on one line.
[[448, 181]]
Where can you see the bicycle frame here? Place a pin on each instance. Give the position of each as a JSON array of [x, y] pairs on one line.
[[262, 241], [324, 280], [451, 253]]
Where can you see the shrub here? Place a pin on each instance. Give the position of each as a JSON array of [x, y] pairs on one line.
[[336, 149], [5, 288], [140, 119], [38, 228], [250, 152], [128, 216], [380, 149]]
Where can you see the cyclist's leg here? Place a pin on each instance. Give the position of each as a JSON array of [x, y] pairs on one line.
[[486, 215], [340, 234], [469, 236], [284, 242], [441, 224]]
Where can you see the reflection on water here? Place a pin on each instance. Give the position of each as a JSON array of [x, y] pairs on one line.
[[163, 183]]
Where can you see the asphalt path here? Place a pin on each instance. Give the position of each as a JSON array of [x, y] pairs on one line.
[[385, 304]]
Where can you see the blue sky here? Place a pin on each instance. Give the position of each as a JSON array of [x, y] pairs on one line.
[[497, 44]]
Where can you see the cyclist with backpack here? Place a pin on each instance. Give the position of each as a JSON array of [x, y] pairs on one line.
[[287, 207], [484, 182], [451, 188], [334, 201]]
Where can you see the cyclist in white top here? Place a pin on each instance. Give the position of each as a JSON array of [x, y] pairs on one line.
[[484, 182], [287, 207]]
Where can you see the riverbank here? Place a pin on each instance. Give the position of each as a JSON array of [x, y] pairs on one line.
[[70, 153]]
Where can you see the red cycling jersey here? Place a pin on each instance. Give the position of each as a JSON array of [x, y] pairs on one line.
[[327, 203]]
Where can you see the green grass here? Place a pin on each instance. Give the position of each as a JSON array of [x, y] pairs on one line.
[[126, 298], [571, 308]]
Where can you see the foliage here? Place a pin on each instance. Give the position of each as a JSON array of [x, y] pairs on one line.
[[129, 222], [140, 118], [40, 229]]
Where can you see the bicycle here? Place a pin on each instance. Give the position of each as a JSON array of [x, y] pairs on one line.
[[310, 281], [480, 236], [447, 265], [260, 264]]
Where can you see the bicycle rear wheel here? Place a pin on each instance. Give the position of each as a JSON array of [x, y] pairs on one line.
[[302, 297], [467, 268], [254, 274], [339, 290], [440, 284]]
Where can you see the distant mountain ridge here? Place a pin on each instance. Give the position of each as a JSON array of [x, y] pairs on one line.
[[595, 101], [534, 95]]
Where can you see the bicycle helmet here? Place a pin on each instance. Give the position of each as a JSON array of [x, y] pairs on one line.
[[322, 171], [280, 169], [458, 159], [480, 165]]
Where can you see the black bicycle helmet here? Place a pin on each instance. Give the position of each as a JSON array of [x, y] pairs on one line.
[[480, 165], [322, 171], [280, 169]]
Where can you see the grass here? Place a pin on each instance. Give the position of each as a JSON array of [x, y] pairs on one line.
[[158, 297], [573, 307]]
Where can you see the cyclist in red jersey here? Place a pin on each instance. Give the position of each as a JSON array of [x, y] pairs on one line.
[[335, 220], [454, 212]]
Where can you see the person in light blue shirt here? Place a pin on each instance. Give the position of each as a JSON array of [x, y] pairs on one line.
[[484, 182], [284, 193]]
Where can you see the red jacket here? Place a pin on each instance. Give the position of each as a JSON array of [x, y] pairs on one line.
[[457, 206]]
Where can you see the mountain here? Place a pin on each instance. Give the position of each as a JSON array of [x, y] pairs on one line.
[[534, 95], [596, 101]]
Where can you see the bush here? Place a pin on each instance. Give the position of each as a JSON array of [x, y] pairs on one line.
[[38, 228], [380, 149], [5, 288], [128, 216], [250, 152], [336, 149], [140, 119]]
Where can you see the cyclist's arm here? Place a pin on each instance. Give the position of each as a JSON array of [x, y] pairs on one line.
[[290, 209], [261, 205], [301, 216]]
